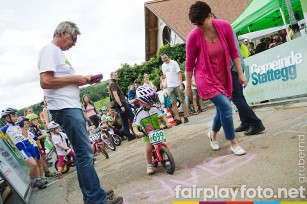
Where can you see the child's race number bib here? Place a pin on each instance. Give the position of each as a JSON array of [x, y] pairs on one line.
[[156, 137], [94, 136]]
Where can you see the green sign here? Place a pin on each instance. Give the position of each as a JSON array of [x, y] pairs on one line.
[[278, 72]]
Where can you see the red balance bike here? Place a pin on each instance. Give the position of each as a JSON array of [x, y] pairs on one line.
[[161, 151], [116, 139], [68, 162], [98, 146]]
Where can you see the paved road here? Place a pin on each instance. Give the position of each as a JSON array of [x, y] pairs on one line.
[[272, 161]]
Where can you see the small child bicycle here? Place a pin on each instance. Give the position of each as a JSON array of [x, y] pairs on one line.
[[147, 118], [98, 146], [160, 152], [66, 156]]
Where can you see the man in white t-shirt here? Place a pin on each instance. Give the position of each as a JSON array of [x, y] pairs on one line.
[[175, 87], [61, 89]]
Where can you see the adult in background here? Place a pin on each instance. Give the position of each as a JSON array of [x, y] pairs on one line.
[[262, 46], [132, 94], [47, 114], [28, 110], [163, 87], [209, 49], [147, 82], [118, 101], [41, 114], [116, 124], [171, 70], [61, 89], [90, 110], [244, 49], [250, 123], [252, 48]]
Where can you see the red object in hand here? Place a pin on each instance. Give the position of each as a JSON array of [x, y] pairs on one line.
[[96, 77]]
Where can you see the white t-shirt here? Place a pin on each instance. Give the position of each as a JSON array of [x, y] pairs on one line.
[[60, 139], [171, 72], [51, 58]]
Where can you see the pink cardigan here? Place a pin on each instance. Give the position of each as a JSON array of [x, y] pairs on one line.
[[197, 59]]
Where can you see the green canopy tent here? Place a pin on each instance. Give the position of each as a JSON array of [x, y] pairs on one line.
[[263, 14]]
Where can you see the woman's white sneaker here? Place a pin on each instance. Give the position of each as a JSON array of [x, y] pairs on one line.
[[238, 150], [214, 144]]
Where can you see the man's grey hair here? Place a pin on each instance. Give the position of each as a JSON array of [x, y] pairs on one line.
[[66, 26]]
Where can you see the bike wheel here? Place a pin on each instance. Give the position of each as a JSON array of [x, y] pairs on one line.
[[103, 152], [65, 167], [110, 144], [168, 162], [116, 139]]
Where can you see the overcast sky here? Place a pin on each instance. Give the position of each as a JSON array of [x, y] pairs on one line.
[[112, 33]]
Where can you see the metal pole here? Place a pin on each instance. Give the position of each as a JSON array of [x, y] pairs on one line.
[[285, 23], [290, 11]]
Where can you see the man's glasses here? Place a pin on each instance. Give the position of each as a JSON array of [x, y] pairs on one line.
[[13, 114], [74, 40]]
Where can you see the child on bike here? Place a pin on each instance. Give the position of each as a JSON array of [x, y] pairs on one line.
[[147, 118], [18, 135], [104, 124], [60, 141]]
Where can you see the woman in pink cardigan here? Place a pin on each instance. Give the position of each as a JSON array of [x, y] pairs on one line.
[[209, 49]]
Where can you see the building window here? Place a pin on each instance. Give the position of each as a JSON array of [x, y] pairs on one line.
[[166, 35]]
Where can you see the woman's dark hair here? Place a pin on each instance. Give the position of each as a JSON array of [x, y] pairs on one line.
[[90, 101], [137, 81], [160, 73], [199, 12]]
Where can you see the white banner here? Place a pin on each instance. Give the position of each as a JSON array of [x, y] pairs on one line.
[[278, 72]]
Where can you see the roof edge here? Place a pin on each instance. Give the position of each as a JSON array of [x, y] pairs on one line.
[[166, 21]]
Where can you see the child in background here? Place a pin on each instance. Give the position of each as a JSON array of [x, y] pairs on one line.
[[35, 129], [34, 141], [147, 117], [60, 141], [104, 124], [116, 123]]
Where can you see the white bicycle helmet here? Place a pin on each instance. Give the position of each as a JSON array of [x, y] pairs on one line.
[[52, 125], [104, 108], [146, 95], [8, 111]]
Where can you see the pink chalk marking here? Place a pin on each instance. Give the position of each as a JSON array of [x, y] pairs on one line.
[[208, 170], [166, 188], [192, 180], [249, 158]]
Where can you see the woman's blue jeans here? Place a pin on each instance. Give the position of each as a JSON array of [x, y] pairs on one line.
[[72, 122], [223, 117]]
